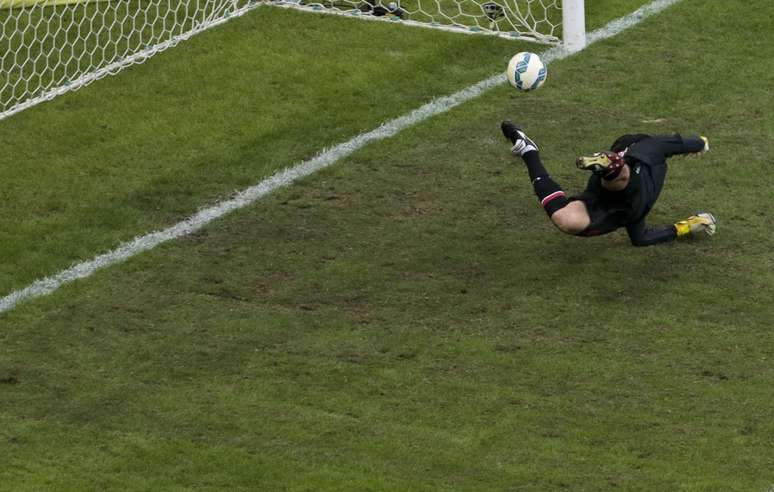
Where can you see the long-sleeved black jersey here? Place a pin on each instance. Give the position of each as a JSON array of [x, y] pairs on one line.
[[647, 157]]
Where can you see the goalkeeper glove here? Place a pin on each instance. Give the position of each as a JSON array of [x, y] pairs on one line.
[[706, 144], [700, 225]]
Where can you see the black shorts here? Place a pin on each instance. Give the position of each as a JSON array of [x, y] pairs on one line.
[[603, 219], [610, 211]]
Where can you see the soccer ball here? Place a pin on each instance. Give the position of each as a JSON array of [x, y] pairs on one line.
[[526, 71]]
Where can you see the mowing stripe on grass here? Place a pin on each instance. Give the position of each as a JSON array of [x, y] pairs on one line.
[[287, 176]]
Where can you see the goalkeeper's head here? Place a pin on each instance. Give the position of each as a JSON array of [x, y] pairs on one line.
[[606, 164], [609, 164]]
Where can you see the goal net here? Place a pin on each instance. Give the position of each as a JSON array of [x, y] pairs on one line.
[[49, 47], [536, 20]]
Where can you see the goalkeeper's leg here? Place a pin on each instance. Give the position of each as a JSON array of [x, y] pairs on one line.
[[569, 217]]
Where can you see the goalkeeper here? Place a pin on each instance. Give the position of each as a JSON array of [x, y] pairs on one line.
[[622, 189]]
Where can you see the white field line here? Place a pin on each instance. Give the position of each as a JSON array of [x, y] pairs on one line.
[[287, 176]]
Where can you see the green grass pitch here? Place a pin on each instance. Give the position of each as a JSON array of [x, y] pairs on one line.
[[407, 319]]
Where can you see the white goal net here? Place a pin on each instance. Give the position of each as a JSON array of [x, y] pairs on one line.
[[537, 20], [49, 47], [54, 46]]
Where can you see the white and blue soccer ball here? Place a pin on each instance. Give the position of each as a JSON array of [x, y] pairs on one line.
[[526, 71]]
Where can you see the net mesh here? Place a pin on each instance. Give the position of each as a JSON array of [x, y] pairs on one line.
[[50, 47], [47, 48], [537, 20]]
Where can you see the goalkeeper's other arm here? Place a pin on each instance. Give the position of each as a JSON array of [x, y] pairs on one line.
[[693, 145], [700, 225], [656, 149]]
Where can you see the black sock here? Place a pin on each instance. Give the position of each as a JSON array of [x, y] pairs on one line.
[[534, 165], [550, 194]]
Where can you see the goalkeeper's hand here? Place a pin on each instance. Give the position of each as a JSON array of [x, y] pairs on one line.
[[702, 224], [706, 144], [702, 150]]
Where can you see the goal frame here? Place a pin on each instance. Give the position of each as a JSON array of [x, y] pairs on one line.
[[573, 39], [573, 23]]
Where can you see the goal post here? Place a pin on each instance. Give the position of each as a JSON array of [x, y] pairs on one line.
[[50, 47], [573, 25]]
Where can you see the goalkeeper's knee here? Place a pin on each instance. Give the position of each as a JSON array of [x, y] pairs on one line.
[[700, 225]]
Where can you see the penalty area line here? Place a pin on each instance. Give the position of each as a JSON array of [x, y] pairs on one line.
[[285, 177]]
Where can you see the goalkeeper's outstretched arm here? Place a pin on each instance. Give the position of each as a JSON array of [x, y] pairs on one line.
[[641, 235], [676, 145], [658, 148], [696, 226]]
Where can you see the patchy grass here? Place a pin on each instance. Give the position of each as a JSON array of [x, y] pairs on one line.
[[409, 320]]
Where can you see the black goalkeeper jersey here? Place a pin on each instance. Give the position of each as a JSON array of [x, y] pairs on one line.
[[646, 157], [620, 207]]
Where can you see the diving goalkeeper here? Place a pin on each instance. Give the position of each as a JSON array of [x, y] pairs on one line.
[[622, 189]]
